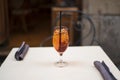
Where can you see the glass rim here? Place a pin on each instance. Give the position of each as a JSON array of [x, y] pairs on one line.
[[57, 27]]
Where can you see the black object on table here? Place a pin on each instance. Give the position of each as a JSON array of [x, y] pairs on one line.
[[21, 52], [104, 70]]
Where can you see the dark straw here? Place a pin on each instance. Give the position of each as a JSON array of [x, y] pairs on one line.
[[60, 30], [60, 19]]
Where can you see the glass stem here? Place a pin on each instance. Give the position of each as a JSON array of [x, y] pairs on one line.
[[61, 63], [61, 60]]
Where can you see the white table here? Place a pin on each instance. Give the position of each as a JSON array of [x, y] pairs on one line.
[[38, 64]]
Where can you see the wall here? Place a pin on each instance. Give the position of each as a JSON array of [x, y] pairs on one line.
[[106, 17], [3, 22]]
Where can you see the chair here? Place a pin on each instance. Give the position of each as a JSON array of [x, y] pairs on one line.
[[19, 9]]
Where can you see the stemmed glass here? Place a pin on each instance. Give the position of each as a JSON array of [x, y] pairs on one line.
[[60, 43]]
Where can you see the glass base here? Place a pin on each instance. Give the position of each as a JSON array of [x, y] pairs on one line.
[[61, 64]]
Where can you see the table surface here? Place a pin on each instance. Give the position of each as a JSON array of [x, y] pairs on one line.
[[38, 64]]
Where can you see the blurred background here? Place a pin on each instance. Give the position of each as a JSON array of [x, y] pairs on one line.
[[32, 21]]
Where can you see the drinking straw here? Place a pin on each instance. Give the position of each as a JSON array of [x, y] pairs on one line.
[[60, 30], [60, 20]]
